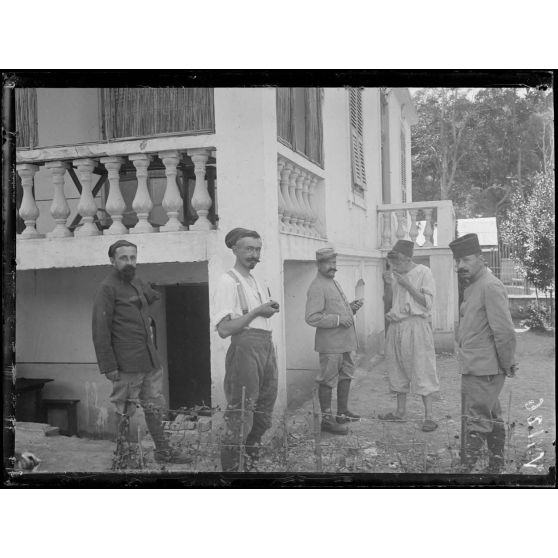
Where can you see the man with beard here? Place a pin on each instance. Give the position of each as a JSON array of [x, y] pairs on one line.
[[124, 346], [486, 353], [242, 311], [328, 310]]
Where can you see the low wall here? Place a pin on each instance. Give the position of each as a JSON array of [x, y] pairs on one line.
[[519, 303]]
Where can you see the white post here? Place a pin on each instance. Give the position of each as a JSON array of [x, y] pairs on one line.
[[201, 200], [142, 203], [87, 207], [172, 201], [116, 205], [386, 229], [59, 209], [28, 209]]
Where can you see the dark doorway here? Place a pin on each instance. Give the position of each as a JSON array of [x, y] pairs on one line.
[[188, 353]]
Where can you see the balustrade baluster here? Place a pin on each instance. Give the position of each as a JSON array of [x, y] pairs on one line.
[[305, 194], [312, 201], [428, 231], [281, 207], [386, 229], [172, 200], [115, 205], [201, 200], [87, 207], [401, 231], [295, 218], [413, 229], [59, 209], [28, 209], [142, 203], [303, 217], [285, 181]]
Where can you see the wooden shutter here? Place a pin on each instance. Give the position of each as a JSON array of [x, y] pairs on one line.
[[403, 166], [26, 117], [313, 121], [357, 142]]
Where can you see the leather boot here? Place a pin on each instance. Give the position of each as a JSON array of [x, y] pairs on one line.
[[163, 451], [343, 413], [328, 422], [473, 446], [496, 441]]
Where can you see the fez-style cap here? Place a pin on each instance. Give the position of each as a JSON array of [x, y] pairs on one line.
[[236, 234], [118, 244], [404, 247], [325, 253], [465, 245]]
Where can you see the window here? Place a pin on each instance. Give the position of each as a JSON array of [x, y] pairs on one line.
[[384, 125], [299, 121], [146, 111], [357, 141], [403, 166], [26, 117]]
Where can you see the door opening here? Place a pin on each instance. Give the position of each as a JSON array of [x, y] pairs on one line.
[[188, 352]]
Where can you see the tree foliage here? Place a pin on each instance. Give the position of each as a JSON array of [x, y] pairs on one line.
[[478, 147], [529, 230]]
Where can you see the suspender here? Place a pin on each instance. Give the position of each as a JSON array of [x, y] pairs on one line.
[[241, 293]]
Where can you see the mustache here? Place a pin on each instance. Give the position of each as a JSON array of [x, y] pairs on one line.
[[255, 260], [332, 269]]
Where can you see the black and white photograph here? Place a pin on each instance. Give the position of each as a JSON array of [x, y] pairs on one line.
[[336, 276]]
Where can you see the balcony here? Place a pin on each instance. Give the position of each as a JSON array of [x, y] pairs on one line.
[[428, 224], [161, 188]]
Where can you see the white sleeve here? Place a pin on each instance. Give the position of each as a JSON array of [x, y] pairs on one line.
[[225, 301]]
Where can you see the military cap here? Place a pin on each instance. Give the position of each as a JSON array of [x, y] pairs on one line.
[[325, 253], [404, 247], [465, 245], [236, 234]]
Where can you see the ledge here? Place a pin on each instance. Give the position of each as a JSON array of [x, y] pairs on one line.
[[161, 247]]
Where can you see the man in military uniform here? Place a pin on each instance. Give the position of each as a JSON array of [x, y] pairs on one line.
[[486, 353], [328, 310]]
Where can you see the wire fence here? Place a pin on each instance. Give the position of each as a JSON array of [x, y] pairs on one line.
[[297, 444]]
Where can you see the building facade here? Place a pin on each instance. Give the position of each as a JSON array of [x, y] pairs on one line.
[[174, 170]]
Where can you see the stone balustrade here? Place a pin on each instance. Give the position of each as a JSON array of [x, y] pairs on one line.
[[299, 190], [88, 168], [427, 224]]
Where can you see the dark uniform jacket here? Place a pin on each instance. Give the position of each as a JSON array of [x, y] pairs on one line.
[[485, 336], [326, 306], [122, 325]]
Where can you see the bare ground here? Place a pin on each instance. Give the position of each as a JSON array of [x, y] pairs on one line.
[[372, 446]]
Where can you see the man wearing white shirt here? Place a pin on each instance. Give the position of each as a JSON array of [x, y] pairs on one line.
[[242, 311]]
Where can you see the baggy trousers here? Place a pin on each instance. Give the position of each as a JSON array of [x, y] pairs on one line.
[[250, 363]]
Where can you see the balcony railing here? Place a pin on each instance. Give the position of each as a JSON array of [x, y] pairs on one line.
[[427, 224], [300, 193], [123, 166]]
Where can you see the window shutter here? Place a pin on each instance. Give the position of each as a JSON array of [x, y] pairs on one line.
[[26, 117], [357, 143], [403, 167]]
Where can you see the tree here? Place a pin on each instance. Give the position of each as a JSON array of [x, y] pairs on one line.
[[529, 230]]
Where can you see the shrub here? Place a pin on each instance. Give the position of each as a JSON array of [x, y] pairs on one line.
[[539, 317]]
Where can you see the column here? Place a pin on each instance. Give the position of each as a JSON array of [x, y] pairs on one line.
[[115, 205], [201, 200], [59, 209], [87, 207], [428, 232], [172, 200], [28, 209], [142, 203]]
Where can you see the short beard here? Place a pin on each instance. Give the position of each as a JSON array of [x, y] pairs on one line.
[[128, 272]]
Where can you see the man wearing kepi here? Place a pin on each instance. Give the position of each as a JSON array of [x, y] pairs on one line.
[[124, 346], [328, 310], [409, 345], [486, 352], [242, 311]]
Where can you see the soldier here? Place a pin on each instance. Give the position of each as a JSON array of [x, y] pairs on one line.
[[328, 310], [486, 353], [409, 340], [124, 346], [242, 311]]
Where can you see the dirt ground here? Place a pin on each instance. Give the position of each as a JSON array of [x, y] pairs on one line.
[[372, 446]]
